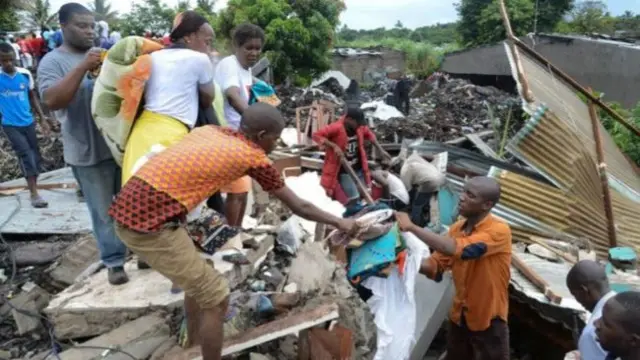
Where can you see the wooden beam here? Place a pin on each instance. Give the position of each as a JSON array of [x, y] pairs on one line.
[[532, 276]]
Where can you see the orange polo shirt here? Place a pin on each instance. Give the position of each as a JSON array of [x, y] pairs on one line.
[[481, 271]]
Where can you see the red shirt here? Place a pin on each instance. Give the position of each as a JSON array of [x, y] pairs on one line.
[[37, 46], [337, 134]]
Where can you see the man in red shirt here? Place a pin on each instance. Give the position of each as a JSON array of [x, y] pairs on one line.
[[346, 137]]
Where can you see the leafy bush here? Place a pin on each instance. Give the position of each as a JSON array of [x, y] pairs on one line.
[[422, 58]]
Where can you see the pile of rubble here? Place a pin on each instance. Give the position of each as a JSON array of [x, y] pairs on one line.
[[50, 149], [451, 110]]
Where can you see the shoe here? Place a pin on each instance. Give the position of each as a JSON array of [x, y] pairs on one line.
[[143, 265], [117, 276]]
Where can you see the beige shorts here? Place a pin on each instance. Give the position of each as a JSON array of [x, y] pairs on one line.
[[171, 252], [240, 186]]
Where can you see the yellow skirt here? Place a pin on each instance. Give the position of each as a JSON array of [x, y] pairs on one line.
[[148, 130]]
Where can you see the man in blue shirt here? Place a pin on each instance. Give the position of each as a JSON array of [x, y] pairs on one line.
[[17, 97], [587, 281]]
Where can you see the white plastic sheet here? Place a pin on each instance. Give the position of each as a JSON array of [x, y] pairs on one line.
[[393, 304]]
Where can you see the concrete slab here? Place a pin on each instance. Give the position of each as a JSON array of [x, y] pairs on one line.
[[74, 261], [92, 307], [311, 255], [139, 338]]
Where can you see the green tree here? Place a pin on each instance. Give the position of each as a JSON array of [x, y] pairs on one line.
[[480, 20], [299, 34], [148, 15], [37, 13], [205, 6], [102, 11], [9, 19], [591, 16], [183, 5]]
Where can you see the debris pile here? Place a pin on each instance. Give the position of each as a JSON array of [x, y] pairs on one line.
[[453, 109]]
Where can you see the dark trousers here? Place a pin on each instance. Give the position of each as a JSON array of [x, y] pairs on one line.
[[24, 141], [489, 344]]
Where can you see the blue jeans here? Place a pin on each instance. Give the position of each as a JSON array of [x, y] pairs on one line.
[[24, 141], [100, 183], [349, 186]]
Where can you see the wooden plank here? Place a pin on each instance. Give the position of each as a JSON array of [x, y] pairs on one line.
[[535, 279]]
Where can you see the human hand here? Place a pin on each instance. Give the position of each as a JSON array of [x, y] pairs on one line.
[[53, 124], [404, 222], [92, 59], [348, 226], [45, 128]]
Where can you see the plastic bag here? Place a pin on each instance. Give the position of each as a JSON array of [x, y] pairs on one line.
[[290, 235]]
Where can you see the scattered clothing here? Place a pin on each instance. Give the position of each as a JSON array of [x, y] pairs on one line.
[[481, 273], [588, 344], [263, 92], [229, 73]]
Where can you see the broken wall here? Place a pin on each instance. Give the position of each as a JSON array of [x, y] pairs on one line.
[[359, 67]]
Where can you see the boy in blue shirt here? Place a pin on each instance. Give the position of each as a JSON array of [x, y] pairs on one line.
[[17, 97]]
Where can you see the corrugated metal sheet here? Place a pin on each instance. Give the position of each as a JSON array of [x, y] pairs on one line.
[[558, 142], [65, 214]]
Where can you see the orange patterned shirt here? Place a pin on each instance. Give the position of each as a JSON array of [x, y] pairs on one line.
[[175, 181]]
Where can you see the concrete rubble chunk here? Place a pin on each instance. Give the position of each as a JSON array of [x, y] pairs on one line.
[[27, 319], [74, 261], [311, 255], [38, 253], [140, 338], [93, 307]]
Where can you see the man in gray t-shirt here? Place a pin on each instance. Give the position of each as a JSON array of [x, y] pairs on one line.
[[66, 87]]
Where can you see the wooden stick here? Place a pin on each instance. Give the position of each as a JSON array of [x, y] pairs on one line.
[[532, 276], [514, 51], [361, 188], [602, 169], [562, 254], [41, 186]]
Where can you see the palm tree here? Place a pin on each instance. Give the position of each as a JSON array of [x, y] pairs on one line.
[[37, 13], [102, 11]]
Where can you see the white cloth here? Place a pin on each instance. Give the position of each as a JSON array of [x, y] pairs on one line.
[[103, 29], [588, 344], [393, 304], [16, 48], [418, 171], [229, 73], [172, 89], [397, 188]]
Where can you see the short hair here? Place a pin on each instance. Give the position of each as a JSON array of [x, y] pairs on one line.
[[6, 48], [188, 22], [630, 302], [67, 11], [356, 113], [246, 32]]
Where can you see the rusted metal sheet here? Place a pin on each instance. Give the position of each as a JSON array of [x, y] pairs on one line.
[[65, 214]]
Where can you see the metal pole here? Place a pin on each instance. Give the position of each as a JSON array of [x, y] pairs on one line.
[[602, 170]]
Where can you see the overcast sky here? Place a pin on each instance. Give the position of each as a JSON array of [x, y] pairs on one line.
[[370, 14]]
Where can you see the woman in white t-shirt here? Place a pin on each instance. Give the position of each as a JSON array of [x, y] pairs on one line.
[[181, 81], [233, 74]]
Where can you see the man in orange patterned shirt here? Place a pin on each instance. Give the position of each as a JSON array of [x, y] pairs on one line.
[[151, 208]]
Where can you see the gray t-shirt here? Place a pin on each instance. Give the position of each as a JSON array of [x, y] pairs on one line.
[[82, 141]]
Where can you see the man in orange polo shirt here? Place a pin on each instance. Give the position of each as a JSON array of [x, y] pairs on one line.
[[150, 210], [477, 250]]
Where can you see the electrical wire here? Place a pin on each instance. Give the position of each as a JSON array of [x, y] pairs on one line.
[[56, 346]]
